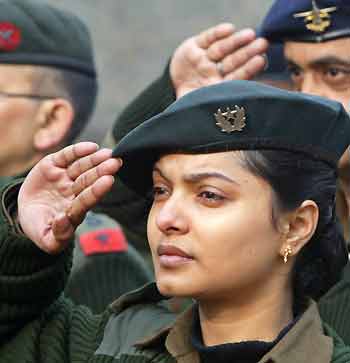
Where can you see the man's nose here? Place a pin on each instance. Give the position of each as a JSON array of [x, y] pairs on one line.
[[311, 86]]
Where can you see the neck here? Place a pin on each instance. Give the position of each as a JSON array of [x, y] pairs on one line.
[[260, 318]]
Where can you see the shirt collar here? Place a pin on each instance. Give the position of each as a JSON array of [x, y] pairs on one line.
[[304, 343]]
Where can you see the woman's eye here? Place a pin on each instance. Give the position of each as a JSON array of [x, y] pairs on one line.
[[211, 197], [159, 192]]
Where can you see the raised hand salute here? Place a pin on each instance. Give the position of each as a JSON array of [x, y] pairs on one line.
[[59, 191], [217, 54]]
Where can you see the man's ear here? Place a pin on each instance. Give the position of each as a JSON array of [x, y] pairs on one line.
[[299, 226], [54, 120]]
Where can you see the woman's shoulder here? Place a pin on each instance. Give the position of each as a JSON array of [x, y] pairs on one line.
[[132, 318]]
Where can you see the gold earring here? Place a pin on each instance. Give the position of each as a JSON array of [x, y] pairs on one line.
[[287, 252]]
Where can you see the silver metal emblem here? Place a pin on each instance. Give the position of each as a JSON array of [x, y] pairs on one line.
[[231, 120]]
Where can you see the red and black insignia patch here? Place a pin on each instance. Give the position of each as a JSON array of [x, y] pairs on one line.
[[10, 37], [103, 241]]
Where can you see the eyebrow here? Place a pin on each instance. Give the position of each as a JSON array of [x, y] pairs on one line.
[[197, 177], [324, 61]]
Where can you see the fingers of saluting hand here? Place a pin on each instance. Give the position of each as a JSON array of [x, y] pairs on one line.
[[107, 167], [205, 39], [80, 166], [225, 46], [88, 198], [245, 54], [248, 70], [69, 154]]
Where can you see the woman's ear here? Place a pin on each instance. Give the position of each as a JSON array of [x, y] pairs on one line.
[[299, 227], [54, 120]]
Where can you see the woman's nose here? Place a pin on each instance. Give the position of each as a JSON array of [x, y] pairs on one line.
[[171, 216]]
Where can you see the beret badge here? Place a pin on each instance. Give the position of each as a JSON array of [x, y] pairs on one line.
[[10, 37], [231, 120], [316, 20]]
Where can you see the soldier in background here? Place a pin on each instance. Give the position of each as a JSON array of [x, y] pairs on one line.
[[48, 87]]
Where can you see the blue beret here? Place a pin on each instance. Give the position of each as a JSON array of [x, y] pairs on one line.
[[235, 115], [306, 20]]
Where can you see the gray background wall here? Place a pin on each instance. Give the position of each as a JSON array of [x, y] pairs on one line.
[[133, 40]]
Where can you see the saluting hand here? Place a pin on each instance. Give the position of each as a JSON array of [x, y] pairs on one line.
[[59, 191], [217, 54]]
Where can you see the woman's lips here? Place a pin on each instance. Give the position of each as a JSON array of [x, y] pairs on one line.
[[171, 256]]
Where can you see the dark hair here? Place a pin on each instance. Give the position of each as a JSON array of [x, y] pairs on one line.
[[294, 178], [79, 89]]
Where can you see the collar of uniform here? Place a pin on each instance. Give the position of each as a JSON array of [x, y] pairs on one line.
[[148, 293], [304, 343], [308, 335], [181, 328]]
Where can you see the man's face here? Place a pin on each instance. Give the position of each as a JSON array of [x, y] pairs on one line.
[[17, 119], [321, 69]]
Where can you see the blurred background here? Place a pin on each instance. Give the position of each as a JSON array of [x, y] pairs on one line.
[[134, 39]]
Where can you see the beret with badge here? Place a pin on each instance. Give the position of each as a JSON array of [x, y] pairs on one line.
[[35, 33], [307, 20], [235, 115]]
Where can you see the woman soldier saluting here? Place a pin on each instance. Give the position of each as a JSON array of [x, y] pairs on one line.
[[242, 221]]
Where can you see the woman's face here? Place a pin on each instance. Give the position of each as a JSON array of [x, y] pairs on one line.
[[210, 228]]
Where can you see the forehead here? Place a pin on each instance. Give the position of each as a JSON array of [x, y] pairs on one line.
[[229, 162], [303, 52], [20, 75]]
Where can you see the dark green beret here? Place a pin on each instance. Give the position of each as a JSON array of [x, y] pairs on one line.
[[33, 32], [235, 115]]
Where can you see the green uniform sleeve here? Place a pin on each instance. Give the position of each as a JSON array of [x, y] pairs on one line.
[[122, 204], [30, 279], [334, 307], [38, 324]]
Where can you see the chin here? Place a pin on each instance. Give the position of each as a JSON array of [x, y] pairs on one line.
[[174, 287]]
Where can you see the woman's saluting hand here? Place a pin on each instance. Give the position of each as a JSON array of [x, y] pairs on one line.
[[60, 190]]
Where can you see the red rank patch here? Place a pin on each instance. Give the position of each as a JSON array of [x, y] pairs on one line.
[[103, 241], [10, 37]]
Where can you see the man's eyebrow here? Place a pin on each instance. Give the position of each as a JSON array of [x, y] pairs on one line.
[[323, 61], [196, 177], [291, 63]]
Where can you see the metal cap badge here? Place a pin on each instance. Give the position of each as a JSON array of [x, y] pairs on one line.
[[231, 120], [317, 20]]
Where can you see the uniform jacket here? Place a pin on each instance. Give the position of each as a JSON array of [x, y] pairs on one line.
[[37, 324]]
